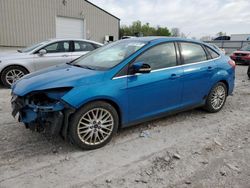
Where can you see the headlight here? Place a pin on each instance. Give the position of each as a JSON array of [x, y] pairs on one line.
[[47, 96]]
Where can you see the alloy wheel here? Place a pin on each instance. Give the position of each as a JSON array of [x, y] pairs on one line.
[[13, 75], [95, 126], [218, 97]]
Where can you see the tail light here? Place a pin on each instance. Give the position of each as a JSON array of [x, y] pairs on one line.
[[232, 63]]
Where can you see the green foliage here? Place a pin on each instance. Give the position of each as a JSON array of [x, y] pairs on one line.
[[139, 29], [221, 34]]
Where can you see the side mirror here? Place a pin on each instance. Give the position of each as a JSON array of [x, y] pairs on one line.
[[42, 52], [140, 67]]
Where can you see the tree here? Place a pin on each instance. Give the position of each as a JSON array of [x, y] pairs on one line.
[[221, 34], [162, 31], [175, 32], [139, 29]]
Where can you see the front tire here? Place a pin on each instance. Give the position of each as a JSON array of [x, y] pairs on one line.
[[11, 74], [93, 125], [216, 98]]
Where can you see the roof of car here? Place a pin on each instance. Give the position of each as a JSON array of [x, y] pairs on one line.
[[155, 38], [74, 39]]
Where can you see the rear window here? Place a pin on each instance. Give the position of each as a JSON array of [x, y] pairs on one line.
[[83, 46], [212, 53]]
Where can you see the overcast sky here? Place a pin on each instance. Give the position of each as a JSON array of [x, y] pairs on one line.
[[196, 18]]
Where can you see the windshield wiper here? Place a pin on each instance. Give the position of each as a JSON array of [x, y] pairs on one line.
[[82, 66], [87, 67]]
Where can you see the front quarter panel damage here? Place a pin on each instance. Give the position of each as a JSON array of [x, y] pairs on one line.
[[42, 111]]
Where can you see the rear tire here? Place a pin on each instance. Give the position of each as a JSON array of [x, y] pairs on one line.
[[11, 74], [93, 125], [216, 98]]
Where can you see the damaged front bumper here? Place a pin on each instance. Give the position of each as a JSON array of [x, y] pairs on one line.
[[42, 113]]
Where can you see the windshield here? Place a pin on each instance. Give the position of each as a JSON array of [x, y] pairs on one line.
[[110, 55], [245, 48], [30, 48]]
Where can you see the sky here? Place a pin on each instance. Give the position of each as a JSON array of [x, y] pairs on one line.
[[195, 18]]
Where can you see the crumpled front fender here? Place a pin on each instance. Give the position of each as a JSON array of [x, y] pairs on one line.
[[32, 112]]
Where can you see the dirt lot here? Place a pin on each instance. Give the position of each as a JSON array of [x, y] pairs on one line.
[[190, 149]]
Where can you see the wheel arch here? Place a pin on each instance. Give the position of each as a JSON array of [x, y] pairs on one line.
[[111, 102], [221, 76], [226, 83], [15, 65]]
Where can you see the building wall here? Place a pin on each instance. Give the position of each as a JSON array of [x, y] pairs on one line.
[[24, 22]]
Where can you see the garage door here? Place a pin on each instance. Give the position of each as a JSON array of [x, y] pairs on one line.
[[69, 28]]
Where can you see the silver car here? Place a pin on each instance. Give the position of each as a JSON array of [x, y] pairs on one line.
[[42, 55]]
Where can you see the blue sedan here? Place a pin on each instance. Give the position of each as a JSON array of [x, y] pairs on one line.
[[122, 84]]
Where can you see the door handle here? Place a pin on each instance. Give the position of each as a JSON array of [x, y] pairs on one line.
[[210, 68], [65, 55], [174, 76]]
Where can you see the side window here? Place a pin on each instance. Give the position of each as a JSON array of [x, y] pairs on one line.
[[212, 53], [83, 46], [161, 56], [58, 47], [96, 45], [192, 53]]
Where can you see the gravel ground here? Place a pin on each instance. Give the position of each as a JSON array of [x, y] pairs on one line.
[[190, 149]]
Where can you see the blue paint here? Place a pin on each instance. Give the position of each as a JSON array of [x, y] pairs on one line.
[[137, 96], [28, 115], [32, 112]]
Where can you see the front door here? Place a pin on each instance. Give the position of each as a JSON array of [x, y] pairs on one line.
[[160, 90], [56, 53]]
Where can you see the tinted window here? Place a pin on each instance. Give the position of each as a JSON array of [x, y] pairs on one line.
[[192, 53], [97, 45], [83, 46], [161, 56], [212, 53], [57, 47], [33, 47]]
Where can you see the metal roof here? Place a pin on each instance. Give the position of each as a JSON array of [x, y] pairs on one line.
[[102, 9]]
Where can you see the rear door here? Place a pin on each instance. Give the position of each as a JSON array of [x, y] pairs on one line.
[[158, 91], [198, 71], [57, 53], [81, 48]]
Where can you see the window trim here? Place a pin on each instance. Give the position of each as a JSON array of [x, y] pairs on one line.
[[178, 65], [37, 51], [133, 60], [206, 47]]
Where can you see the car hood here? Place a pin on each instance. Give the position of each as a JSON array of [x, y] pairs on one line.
[[56, 77], [13, 56]]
